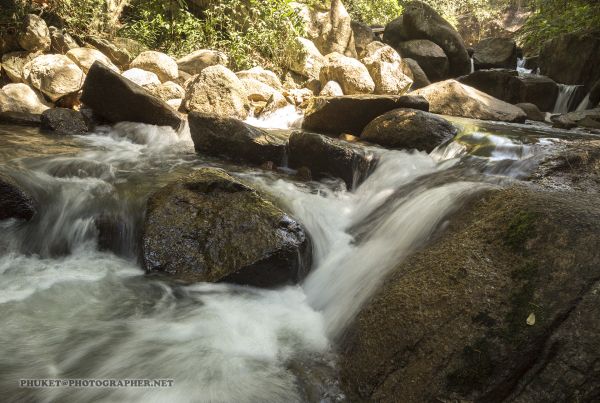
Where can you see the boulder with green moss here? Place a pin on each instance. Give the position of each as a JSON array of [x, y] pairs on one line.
[[211, 227], [505, 306]]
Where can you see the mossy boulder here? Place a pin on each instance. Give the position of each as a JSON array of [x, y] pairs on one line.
[[211, 227], [505, 306]]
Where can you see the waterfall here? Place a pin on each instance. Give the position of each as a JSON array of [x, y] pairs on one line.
[[521, 66], [584, 104], [472, 65], [566, 95]]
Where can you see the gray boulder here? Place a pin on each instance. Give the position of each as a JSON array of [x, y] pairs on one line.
[[116, 99], [428, 55], [351, 113], [211, 227], [328, 157], [64, 121], [34, 35], [495, 53], [409, 129], [235, 140]]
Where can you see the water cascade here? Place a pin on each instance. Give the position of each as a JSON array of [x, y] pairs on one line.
[[71, 308], [521, 67], [566, 97], [584, 104]]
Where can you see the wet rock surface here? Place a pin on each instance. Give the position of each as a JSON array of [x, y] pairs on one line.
[[212, 227], [409, 129], [14, 201], [328, 157], [351, 114], [489, 311], [64, 121], [235, 140]]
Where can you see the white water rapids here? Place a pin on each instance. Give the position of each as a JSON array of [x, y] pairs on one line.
[[70, 310]]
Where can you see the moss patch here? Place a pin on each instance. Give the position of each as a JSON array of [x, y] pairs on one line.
[[520, 229]]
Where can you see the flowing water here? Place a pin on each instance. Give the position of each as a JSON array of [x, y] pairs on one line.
[[565, 102], [521, 69], [70, 309]]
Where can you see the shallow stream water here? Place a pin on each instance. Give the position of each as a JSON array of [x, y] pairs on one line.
[[70, 310]]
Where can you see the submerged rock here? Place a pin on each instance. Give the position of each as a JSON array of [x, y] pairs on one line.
[[351, 113], [328, 157], [234, 139], [14, 201], [117, 99], [211, 227], [455, 99], [409, 129], [64, 121], [494, 310]]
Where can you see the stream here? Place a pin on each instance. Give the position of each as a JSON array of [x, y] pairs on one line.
[[72, 310]]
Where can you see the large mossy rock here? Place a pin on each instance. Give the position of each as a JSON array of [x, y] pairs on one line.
[[495, 53], [211, 227], [505, 307], [351, 113], [455, 99], [509, 86], [117, 99], [235, 140], [430, 57], [421, 21], [328, 157], [14, 201], [572, 59], [409, 129]]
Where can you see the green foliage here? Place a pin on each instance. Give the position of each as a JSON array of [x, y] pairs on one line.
[[552, 18], [374, 11], [250, 31]]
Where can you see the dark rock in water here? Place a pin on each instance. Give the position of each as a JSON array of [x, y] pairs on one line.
[[64, 121], [328, 157], [496, 310], [235, 140], [409, 129], [14, 201], [532, 111], [421, 21], [495, 53], [211, 227], [572, 59], [118, 99], [419, 77], [510, 87], [430, 57], [363, 35], [351, 113], [453, 98], [115, 234], [589, 119]]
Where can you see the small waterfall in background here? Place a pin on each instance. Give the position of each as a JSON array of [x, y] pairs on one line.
[[566, 96], [584, 104], [521, 67], [472, 65]]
